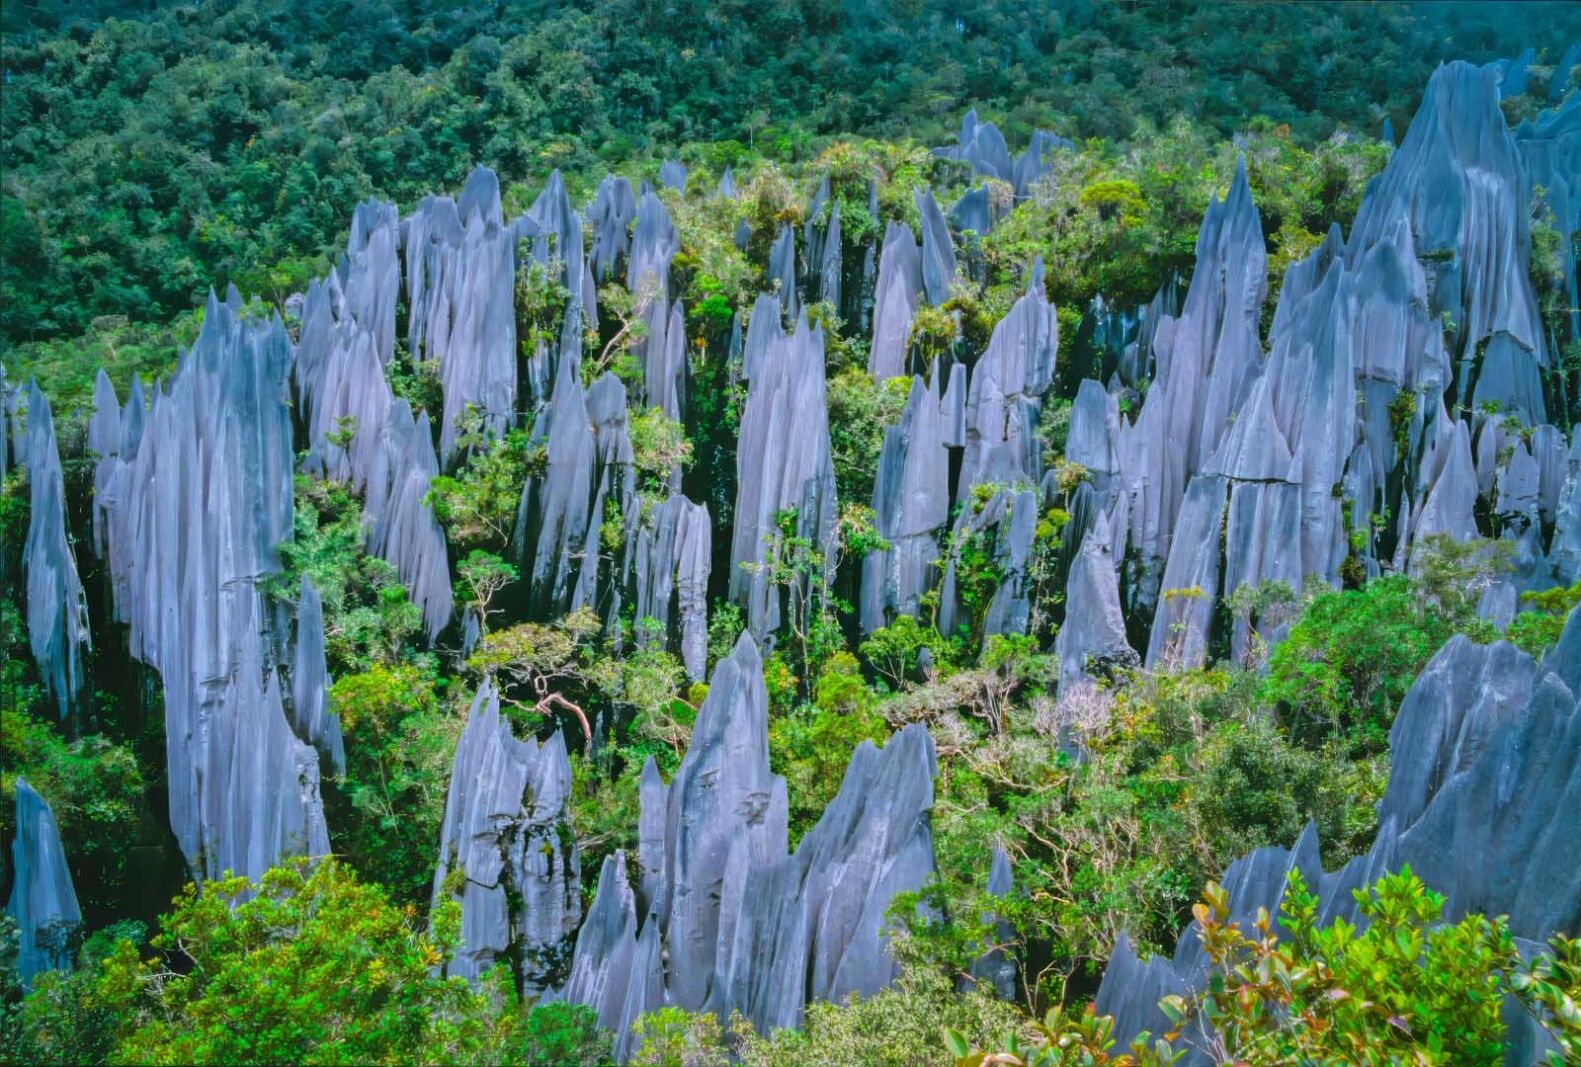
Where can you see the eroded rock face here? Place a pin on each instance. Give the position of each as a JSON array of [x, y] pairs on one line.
[[1458, 177], [742, 924], [460, 287], [911, 505], [672, 557], [938, 251], [895, 301], [43, 901], [1007, 384], [402, 529], [503, 852], [204, 497], [1479, 719], [57, 608], [981, 145], [783, 461]]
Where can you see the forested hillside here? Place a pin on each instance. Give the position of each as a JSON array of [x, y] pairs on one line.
[[792, 533]]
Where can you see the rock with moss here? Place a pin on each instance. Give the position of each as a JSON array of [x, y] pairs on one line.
[[895, 300]]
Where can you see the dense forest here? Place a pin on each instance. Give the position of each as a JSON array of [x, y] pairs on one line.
[[790, 533]]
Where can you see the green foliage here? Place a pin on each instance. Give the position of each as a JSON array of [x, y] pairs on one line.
[[367, 616], [477, 505], [659, 446], [1537, 630], [1348, 661], [1411, 988], [896, 1027], [306, 966], [859, 413], [673, 1037], [400, 744]]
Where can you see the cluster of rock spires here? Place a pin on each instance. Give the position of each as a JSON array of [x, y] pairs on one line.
[[503, 850], [724, 917], [1239, 467], [1479, 719]]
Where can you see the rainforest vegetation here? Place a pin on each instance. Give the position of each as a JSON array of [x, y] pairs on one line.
[[153, 151]]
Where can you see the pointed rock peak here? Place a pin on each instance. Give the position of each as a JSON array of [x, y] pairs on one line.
[[480, 196]]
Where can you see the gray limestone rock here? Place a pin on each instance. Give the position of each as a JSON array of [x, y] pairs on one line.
[[783, 461], [895, 300], [1458, 176], [404, 531], [782, 272], [911, 505], [938, 253], [609, 218], [996, 968], [57, 607], [673, 552], [460, 288], [1005, 526], [672, 175], [502, 850], [1094, 628], [723, 798], [1484, 791], [1007, 383], [972, 212], [1206, 359], [43, 901], [311, 716], [740, 924]]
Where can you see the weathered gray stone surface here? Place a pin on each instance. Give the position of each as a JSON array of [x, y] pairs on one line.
[[57, 608], [403, 529], [609, 218], [43, 901], [1094, 629], [588, 469], [938, 252], [1484, 798], [673, 553], [672, 175], [996, 968], [1002, 401], [1206, 359], [783, 460], [311, 715], [1458, 177], [972, 212], [782, 272], [205, 497], [895, 301], [502, 851], [982, 146], [740, 924], [460, 288], [911, 505]]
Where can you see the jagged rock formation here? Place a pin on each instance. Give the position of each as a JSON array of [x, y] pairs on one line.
[[501, 851], [587, 471], [996, 968], [1094, 630], [460, 288], [311, 716], [938, 251], [403, 529], [1007, 384], [609, 218], [672, 175], [973, 212], [43, 901], [673, 553], [982, 146], [782, 272], [911, 505], [1205, 360], [783, 461], [1458, 177], [741, 924], [1003, 527], [1479, 718], [895, 302], [204, 497], [57, 608]]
